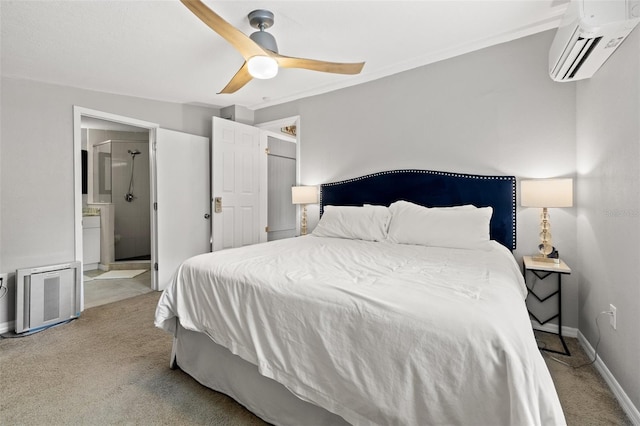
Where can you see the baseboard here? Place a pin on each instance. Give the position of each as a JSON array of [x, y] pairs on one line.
[[89, 267], [553, 328], [7, 326], [620, 394]]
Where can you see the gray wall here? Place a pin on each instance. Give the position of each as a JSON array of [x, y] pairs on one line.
[[491, 111], [36, 168], [608, 140]]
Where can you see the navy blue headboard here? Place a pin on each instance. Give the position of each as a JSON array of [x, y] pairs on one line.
[[432, 189]]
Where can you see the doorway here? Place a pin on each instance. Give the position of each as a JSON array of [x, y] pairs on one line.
[[97, 137], [251, 191], [283, 149], [281, 166], [116, 217]]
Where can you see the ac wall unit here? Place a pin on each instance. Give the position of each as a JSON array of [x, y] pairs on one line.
[[47, 295], [590, 32]]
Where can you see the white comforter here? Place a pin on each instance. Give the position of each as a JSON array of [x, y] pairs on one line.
[[378, 333]]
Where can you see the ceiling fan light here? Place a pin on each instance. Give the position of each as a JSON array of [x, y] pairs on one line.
[[262, 67]]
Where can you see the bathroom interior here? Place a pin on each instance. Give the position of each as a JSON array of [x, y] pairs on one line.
[[116, 211]]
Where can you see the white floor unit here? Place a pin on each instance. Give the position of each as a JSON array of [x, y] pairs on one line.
[[47, 295]]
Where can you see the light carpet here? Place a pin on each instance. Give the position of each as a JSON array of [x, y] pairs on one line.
[[586, 398], [111, 366]]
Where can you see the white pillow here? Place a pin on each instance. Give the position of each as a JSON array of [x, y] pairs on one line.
[[456, 227], [368, 223]]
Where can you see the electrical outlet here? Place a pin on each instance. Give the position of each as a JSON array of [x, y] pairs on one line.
[[612, 317]]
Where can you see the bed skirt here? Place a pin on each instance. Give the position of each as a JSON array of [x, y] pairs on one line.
[[215, 367]]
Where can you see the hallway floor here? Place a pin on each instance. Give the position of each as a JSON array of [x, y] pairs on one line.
[[100, 292]]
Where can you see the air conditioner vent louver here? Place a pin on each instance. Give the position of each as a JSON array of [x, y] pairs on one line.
[[587, 47]]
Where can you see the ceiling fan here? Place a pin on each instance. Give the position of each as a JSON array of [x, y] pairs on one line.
[[260, 51]]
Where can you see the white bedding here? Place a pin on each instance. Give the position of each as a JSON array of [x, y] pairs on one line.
[[376, 332]]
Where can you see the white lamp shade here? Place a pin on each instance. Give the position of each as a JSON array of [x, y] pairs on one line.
[[304, 194], [547, 193]]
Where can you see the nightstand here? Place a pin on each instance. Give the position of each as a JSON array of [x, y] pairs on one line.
[[543, 270]]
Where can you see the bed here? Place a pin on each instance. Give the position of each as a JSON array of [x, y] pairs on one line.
[[404, 306]]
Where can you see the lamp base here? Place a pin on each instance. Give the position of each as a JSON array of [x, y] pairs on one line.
[[303, 221], [547, 251], [552, 257]]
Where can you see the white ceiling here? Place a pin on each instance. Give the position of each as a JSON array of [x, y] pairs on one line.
[[160, 50]]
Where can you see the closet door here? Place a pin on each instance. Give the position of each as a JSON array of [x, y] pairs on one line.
[[238, 184], [181, 209]]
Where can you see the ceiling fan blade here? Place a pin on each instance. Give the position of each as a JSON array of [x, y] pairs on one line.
[[241, 78], [315, 65], [235, 37]]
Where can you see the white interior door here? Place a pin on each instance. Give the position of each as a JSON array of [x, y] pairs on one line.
[[182, 214], [239, 192]]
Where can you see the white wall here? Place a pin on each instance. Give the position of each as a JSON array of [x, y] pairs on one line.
[[608, 140], [494, 111], [36, 169]]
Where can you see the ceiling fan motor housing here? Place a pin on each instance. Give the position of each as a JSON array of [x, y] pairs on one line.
[[265, 40], [262, 20]]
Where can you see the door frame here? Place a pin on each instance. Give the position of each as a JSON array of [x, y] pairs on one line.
[[78, 113]]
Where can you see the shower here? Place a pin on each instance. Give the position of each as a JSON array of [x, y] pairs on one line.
[[118, 166], [129, 195]]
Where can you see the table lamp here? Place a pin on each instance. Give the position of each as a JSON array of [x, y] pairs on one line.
[[304, 195], [546, 193]]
